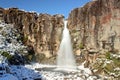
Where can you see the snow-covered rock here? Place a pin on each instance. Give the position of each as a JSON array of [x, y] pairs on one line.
[[10, 45], [8, 38]]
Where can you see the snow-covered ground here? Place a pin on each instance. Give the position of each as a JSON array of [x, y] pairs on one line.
[[18, 73], [24, 73], [8, 77], [49, 72], [46, 72]]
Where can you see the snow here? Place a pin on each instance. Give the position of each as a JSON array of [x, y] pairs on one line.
[[8, 77], [8, 32], [24, 73], [30, 72], [18, 73], [49, 72], [116, 55], [86, 70]]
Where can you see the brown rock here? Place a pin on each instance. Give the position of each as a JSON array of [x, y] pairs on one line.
[[1, 13], [96, 25], [78, 52], [42, 32]]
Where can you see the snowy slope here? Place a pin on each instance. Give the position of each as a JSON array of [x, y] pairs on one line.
[[10, 44]]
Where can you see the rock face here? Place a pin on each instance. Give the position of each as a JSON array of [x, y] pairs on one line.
[[42, 32], [95, 30], [96, 25]]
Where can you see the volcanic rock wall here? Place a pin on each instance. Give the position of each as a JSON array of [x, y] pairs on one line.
[[96, 25], [42, 32]]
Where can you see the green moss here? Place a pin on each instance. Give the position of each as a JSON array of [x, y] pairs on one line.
[[25, 38], [29, 57], [1, 28], [98, 65], [108, 56], [81, 46], [4, 33], [74, 31], [109, 67], [0, 52], [40, 57], [116, 62], [6, 54]]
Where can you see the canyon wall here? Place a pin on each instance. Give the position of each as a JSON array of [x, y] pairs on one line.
[[96, 25], [95, 31], [42, 32]]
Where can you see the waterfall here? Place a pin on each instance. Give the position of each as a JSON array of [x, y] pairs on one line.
[[65, 58]]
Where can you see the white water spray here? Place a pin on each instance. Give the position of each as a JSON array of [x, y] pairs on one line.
[[65, 58]]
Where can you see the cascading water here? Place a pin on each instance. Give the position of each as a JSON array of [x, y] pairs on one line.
[[65, 58]]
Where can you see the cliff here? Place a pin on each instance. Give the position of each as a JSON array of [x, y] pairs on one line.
[[95, 30], [96, 25], [42, 32]]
